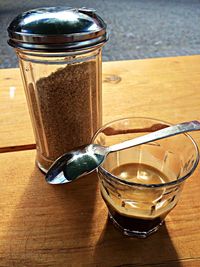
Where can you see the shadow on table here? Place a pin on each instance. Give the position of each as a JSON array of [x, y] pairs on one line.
[[115, 249], [51, 223]]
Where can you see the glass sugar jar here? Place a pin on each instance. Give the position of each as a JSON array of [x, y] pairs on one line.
[[59, 51]]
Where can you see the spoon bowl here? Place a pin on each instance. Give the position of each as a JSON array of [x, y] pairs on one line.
[[76, 163]]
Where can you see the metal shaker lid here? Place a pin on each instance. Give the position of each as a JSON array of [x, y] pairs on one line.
[[57, 29]]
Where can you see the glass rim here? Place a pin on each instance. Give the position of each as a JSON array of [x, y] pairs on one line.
[[174, 182]]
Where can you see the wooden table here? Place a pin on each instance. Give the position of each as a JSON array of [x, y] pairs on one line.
[[45, 225]]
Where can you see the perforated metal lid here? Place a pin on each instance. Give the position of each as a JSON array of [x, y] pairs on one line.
[[57, 29]]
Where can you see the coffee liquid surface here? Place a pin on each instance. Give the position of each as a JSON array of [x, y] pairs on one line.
[[140, 173]]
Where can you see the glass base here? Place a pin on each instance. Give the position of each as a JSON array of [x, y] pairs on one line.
[[41, 167], [43, 163], [134, 233]]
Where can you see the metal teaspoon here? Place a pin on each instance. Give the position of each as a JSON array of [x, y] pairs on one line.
[[80, 162]]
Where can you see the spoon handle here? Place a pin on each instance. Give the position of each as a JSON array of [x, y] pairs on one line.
[[157, 135]]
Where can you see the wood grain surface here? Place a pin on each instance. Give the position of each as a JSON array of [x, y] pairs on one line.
[[45, 225]]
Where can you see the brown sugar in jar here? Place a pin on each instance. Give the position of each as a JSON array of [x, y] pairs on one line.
[[66, 110]]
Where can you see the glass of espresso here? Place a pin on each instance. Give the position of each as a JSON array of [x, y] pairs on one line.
[[141, 185]]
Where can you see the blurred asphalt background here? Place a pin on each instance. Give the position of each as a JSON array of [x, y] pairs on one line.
[[138, 28]]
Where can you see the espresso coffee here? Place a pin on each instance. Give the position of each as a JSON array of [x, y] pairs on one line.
[[134, 208], [134, 223]]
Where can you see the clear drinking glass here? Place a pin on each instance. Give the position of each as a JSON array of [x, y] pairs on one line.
[[140, 185]]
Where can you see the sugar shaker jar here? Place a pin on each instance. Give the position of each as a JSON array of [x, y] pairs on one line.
[[59, 51]]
